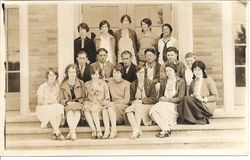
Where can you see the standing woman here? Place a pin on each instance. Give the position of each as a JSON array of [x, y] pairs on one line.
[[106, 40], [97, 99], [142, 97], [126, 39], [167, 40], [199, 105], [48, 108], [172, 90], [120, 94], [72, 96], [146, 39]]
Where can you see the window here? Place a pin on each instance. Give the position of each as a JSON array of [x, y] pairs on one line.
[[239, 31], [12, 64]]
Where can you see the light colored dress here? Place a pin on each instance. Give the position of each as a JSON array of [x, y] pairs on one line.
[[50, 107], [167, 110], [126, 43], [106, 43], [142, 109], [146, 41], [96, 93]]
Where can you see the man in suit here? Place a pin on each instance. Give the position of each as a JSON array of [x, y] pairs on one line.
[[129, 69], [83, 42], [105, 66], [153, 69], [83, 66]]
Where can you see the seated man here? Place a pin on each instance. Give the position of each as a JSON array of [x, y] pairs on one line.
[[83, 66], [105, 66], [129, 69]]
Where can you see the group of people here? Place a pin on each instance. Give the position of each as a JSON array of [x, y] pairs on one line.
[[120, 79]]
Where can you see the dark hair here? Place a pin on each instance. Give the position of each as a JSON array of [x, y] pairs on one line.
[[169, 26], [171, 65], [103, 22], [118, 67], [83, 26], [101, 49], [189, 54], [150, 50], [51, 69], [94, 69], [125, 16], [170, 49], [126, 52], [67, 69], [147, 21], [139, 67], [82, 51], [202, 66]]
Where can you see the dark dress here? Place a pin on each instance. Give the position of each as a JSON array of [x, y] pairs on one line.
[[89, 47], [193, 111]]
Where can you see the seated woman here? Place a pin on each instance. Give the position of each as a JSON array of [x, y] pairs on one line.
[[199, 105], [142, 97], [72, 96], [120, 94], [172, 90], [97, 99], [48, 108]]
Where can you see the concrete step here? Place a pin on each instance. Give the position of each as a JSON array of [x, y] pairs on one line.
[[15, 117], [223, 125], [173, 142]]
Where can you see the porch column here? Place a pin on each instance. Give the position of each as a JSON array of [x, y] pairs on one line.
[[228, 60], [24, 60], [185, 28], [65, 22]]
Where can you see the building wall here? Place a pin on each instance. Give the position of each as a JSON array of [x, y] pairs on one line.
[[42, 41], [207, 40]]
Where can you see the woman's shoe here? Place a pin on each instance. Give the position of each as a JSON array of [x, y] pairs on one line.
[[53, 137], [73, 136], [68, 137], [106, 135], [136, 134], [163, 134], [112, 134], [93, 135], [99, 134], [60, 137]]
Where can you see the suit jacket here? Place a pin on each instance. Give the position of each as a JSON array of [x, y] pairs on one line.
[[180, 89], [108, 68], [157, 70], [89, 47], [131, 75], [86, 74], [150, 92]]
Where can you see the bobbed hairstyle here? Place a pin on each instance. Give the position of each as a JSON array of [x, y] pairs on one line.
[[83, 26], [202, 66], [51, 69], [126, 16], [171, 65]]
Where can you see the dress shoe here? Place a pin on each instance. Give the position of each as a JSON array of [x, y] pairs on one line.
[[106, 135], [112, 134], [136, 134], [68, 137], [163, 134], [53, 137], [73, 136], [93, 135], [60, 137], [99, 134]]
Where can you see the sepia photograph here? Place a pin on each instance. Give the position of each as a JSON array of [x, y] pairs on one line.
[[88, 78]]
